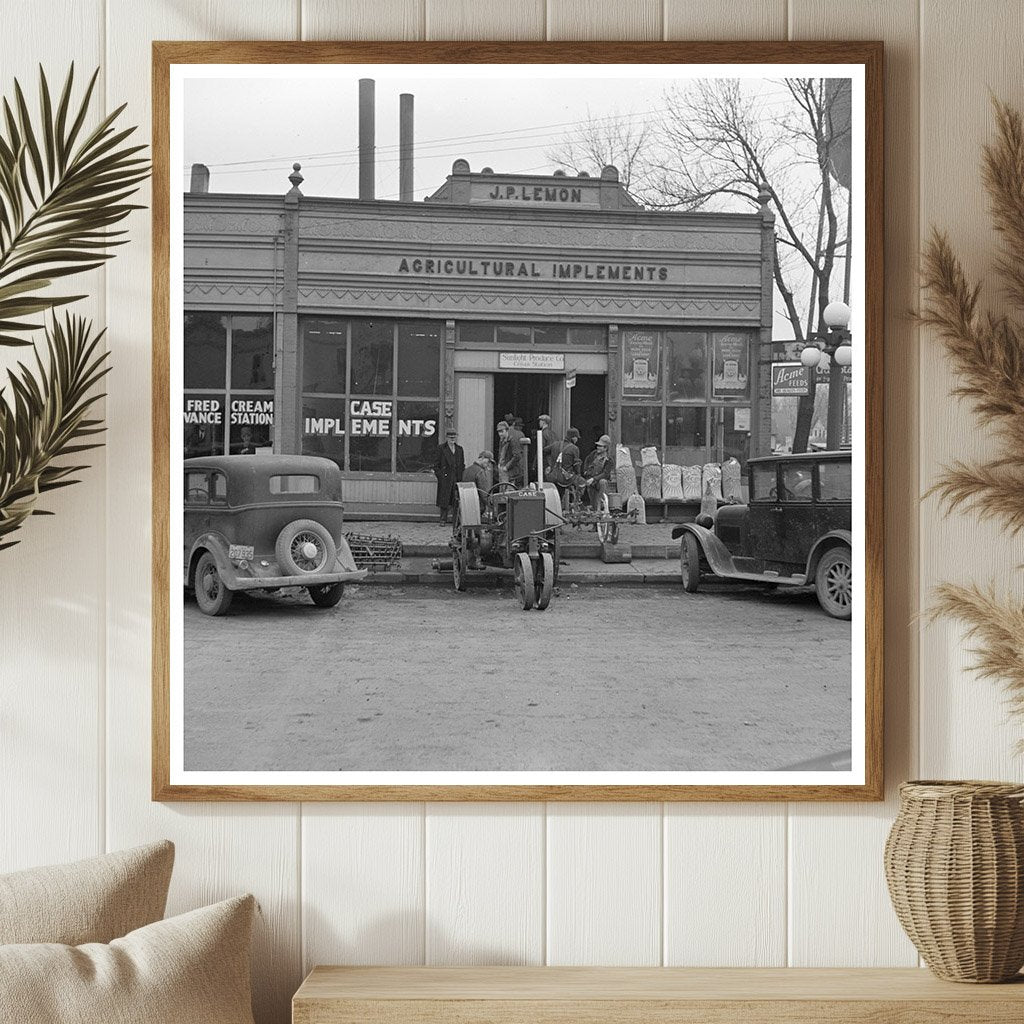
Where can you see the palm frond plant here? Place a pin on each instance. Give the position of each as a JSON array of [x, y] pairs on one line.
[[986, 351], [64, 188]]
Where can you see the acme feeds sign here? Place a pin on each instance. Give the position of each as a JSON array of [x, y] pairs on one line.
[[557, 271]]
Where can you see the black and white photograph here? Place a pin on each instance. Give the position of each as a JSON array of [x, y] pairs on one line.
[[518, 427]]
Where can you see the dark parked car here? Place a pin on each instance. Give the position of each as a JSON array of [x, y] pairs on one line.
[[795, 530], [264, 522]]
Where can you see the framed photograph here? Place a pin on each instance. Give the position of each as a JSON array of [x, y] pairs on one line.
[[517, 421]]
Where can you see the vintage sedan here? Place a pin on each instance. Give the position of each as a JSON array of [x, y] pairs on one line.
[[264, 522], [794, 531]]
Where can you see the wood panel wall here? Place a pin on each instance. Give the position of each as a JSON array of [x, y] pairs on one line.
[[521, 883]]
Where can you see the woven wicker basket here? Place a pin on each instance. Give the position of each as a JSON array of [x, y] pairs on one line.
[[954, 861]]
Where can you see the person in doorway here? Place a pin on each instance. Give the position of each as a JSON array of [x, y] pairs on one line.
[[480, 472], [511, 458], [597, 471], [550, 445], [565, 469], [449, 466]]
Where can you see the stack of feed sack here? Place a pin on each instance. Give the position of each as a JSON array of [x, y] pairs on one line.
[[650, 474]]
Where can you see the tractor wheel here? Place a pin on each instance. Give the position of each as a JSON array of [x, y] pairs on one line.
[[459, 562], [545, 583], [525, 587], [689, 563]]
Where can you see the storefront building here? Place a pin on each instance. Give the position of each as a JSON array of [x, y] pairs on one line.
[[362, 330]]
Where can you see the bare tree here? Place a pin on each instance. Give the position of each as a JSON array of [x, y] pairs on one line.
[[625, 141], [718, 146], [722, 145]]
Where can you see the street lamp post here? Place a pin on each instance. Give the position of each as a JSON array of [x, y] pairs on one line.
[[834, 346]]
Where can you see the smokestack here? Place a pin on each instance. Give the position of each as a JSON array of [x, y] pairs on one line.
[[405, 143], [200, 178], [366, 134]]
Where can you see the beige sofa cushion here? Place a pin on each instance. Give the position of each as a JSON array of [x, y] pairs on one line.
[[191, 969], [93, 900]]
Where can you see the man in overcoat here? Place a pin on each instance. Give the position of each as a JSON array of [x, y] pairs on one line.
[[448, 468]]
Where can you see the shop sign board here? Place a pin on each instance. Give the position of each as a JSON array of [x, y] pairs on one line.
[[570, 379], [793, 380], [531, 360], [368, 418], [790, 380], [731, 372], [641, 363]]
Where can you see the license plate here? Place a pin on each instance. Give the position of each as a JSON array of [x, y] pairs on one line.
[[241, 551]]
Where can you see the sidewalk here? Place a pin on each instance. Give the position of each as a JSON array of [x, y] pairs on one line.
[[430, 540]]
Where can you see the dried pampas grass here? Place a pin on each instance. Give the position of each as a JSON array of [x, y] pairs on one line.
[[987, 354]]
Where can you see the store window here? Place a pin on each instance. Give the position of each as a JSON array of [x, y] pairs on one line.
[[687, 393], [371, 393], [229, 382]]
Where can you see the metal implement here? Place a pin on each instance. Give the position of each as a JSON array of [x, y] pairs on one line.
[[511, 532], [373, 552], [605, 519]]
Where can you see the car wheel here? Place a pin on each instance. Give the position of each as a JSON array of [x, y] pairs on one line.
[[833, 582], [328, 595], [689, 563], [305, 547], [212, 596]]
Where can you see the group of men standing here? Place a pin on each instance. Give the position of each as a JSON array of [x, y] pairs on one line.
[[561, 461]]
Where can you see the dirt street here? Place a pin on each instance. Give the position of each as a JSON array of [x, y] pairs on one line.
[[606, 679]]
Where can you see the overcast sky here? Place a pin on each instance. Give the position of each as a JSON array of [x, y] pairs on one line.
[[250, 131]]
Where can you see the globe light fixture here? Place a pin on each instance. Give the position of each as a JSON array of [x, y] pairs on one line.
[[837, 315], [810, 356], [844, 355]]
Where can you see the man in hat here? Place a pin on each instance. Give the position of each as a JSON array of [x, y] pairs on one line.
[[481, 473], [449, 466], [597, 471], [510, 455], [549, 446]]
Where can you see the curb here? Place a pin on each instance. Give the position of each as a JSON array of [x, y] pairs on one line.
[[565, 578], [568, 551]]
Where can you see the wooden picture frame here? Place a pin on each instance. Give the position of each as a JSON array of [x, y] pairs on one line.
[[589, 56]]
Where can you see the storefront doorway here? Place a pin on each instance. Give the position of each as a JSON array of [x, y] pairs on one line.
[[526, 395], [587, 409]]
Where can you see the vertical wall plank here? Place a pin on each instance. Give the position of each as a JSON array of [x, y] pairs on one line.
[[485, 19], [836, 851], [222, 849], [966, 50], [580, 19], [725, 885], [725, 19], [385, 19], [604, 884], [725, 866], [485, 884], [51, 583], [362, 884]]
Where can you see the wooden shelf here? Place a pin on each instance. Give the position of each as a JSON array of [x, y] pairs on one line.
[[637, 995]]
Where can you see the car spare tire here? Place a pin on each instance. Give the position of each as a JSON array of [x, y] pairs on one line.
[[304, 548]]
